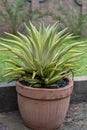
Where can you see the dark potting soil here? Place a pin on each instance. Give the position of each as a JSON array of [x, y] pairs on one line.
[[59, 84]]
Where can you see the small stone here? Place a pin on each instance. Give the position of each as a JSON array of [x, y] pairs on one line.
[[68, 120]]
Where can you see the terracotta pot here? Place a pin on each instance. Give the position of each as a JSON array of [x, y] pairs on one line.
[[43, 109]]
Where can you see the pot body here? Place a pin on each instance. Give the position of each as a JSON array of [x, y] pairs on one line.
[[43, 109]]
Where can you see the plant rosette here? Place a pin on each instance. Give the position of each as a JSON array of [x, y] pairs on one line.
[[40, 62]]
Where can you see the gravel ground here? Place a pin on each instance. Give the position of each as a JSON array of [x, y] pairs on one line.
[[76, 119]]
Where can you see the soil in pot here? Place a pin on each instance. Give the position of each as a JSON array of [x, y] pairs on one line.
[[59, 84]]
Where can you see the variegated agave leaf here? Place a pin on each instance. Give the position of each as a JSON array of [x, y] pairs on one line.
[[41, 57]]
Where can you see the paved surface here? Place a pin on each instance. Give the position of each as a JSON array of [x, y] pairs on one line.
[[76, 119]]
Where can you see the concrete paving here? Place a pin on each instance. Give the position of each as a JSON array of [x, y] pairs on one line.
[[76, 119]]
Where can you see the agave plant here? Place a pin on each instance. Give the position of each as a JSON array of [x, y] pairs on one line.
[[41, 57], [74, 21]]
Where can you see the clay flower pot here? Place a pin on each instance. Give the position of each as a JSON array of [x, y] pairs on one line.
[[43, 109]]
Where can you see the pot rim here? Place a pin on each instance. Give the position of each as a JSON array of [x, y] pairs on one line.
[[43, 93]]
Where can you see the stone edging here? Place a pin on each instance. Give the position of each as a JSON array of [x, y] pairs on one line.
[[81, 78]]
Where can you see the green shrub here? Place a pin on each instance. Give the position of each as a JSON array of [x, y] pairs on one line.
[[14, 14], [71, 19]]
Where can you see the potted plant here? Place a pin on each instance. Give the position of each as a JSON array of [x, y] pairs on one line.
[[41, 63]]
